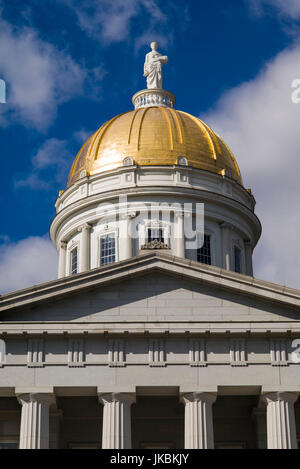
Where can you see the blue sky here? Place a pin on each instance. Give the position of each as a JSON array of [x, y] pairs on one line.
[[71, 65]]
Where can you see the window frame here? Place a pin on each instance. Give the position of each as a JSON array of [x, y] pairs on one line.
[[154, 225], [231, 445], [10, 440], [72, 249], [237, 248], [210, 235], [99, 238], [72, 445], [160, 229]]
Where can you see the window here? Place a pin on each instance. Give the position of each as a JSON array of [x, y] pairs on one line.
[[74, 261], [84, 446], [233, 445], [182, 161], [9, 443], [204, 253], [128, 161], [237, 259], [107, 249], [155, 234], [159, 445]]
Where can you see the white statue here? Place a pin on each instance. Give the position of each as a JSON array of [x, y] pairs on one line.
[[152, 67]]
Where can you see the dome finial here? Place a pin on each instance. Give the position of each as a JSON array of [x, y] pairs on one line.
[[154, 95], [153, 67]]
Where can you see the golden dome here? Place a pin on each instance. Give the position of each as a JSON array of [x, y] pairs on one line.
[[154, 136]]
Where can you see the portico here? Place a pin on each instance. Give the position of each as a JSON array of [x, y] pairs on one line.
[[156, 352], [158, 418]]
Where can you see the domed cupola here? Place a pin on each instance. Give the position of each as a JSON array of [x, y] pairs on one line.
[[136, 185], [154, 136]]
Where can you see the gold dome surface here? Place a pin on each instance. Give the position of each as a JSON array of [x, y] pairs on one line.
[[154, 136]]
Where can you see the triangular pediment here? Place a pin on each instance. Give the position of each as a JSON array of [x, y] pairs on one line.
[[153, 287]]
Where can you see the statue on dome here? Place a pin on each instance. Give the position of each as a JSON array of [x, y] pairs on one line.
[[153, 67]]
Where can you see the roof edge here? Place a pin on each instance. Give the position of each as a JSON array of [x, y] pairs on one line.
[[142, 264]]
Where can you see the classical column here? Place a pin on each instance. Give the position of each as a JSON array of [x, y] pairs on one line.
[[116, 431], [248, 258], [62, 257], [281, 426], [34, 432], [225, 237], [198, 420], [84, 263], [179, 233], [126, 236]]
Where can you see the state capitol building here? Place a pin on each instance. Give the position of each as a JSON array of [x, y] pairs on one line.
[[155, 334]]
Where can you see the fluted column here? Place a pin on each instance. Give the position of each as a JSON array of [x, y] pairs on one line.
[[179, 233], [62, 258], [34, 432], [84, 263], [281, 426], [225, 237], [116, 431], [198, 420], [126, 237]]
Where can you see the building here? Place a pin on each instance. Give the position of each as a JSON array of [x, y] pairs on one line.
[[151, 338]]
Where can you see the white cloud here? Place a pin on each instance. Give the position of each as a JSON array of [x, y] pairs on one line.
[[111, 21], [52, 156], [38, 76], [286, 8], [261, 124], [28, 262], [82, 135]]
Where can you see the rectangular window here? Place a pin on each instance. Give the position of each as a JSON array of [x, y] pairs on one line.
[[107, 249], [204, 253], [155, 234], [74, 261], [237, 259], [9, 443]]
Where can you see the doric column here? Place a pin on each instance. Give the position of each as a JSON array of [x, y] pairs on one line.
[[34, 432], [248, 258], [179, 234], [84, 263], [116, 431], [62, 257], [127, 237], [225, 237], [281, 426], [198, 420]]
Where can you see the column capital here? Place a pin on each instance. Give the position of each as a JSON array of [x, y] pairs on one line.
[[129, 215], [276, 396], [125, 397], [225, 225], [198, 396], [63, 244], [41, 398], [179, 214], [84, 227]]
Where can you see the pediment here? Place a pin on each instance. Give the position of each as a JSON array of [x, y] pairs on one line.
[[153, 287]]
